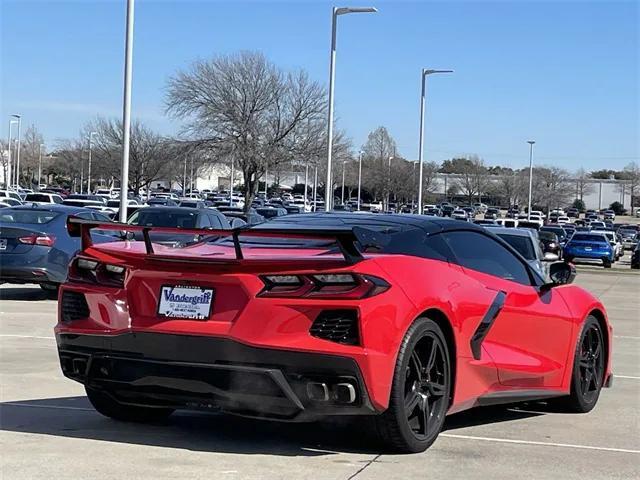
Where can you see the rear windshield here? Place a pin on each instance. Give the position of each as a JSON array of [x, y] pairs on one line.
[[37, 197], [164, 219], [521, 244], [27, 216], [547, 235], [579, 237]]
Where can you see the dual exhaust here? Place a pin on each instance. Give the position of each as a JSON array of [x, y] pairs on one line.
[[343, 393]]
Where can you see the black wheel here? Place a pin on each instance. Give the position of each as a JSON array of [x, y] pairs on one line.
[[109, 407], [568, 259], [606, 263], [420, 391], [588, 369]]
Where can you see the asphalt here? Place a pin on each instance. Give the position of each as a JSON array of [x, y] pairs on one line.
[[49, 431]]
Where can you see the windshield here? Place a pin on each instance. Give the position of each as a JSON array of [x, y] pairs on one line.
[[34, 217], [522, 244], [164, 219]]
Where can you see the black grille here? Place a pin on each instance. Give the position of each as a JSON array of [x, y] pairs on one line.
[[74, 306], [339, 326]]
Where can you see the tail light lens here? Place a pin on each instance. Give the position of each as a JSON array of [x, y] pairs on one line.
[[330, 286], [89, 270], [44, 240]]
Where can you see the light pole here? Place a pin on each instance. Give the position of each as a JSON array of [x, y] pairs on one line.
[[191, 178], [266, 181], [315, 188], [389, 185], [126, 113], [359, 178], [231, 182], [89, 167], [9, 179], [40, 165], [530, 142], [19, 117], [184, 177], [424, 74], [328, 194], [344, 166]]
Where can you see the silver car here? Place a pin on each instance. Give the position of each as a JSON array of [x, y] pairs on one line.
[[526, 242]]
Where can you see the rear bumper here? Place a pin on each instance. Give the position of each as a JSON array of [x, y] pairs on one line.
[[588, 255], [212, 373], [26, 274]]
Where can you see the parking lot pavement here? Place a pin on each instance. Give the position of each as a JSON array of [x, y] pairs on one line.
[[48, 430]]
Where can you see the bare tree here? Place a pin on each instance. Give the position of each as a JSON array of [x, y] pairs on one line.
[[631, 175], [583, 184], [379, 150], [242, 106], [473, 180]]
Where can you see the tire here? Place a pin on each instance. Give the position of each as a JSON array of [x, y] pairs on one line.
[[418, 403], [588, 367], [106, 405], [51, 289], [568, 259], [606, 263]]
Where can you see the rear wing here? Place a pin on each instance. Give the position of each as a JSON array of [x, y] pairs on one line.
[[344, 237]]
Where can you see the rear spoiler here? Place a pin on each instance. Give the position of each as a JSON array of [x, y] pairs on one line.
[[345, 237]]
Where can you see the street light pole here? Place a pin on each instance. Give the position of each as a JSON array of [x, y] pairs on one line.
[[359, 179], [89, 167], [328, 194], [231, 183], [344, 165], [424, 74], [184, 177], [9, 180], [530, 142], [40, 165], [18, 150], [126, 113]]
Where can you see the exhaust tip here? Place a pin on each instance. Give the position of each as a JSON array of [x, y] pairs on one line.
[[318, 392], [345, 393]]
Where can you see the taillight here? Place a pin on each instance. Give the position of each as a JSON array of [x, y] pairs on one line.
[[89, 270], [336, 286], [44, 240]]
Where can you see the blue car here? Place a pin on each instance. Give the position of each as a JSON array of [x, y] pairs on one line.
[[589, 246], [35, 246]]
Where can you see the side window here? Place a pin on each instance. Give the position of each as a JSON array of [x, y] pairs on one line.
[[84, 215], [204, 222], [215, 222], [482, 253]]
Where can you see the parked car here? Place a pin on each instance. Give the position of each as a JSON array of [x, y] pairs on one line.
[[573, 213], [42, 198], [177, 217], [271, 212], [191, 203], [250, 218], [492, 213], [527, 244], [299, 331], [480, 207], [635, 257], [550, 243], [558, 230], [35, 246], [460, 214], [165, 201], [629, 238], [9, 194], [589, 246], [609, 215], [433, 211]]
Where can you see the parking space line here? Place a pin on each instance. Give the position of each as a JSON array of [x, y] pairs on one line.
[[55, 407], [26, 336], [626, 376], [626, 336], [545, 444]]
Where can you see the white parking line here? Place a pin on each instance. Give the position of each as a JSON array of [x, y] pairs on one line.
[[55, 407], [626, 336], [625, 376], [26, 336], [545, 444]]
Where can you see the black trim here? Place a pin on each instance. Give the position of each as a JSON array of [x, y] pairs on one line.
[[485, 324], [515, 396], [200, 372]]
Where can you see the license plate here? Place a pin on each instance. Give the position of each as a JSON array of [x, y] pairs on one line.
[[3, 244], [180, 301]]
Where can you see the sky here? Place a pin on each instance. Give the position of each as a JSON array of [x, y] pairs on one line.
[[565, 74]]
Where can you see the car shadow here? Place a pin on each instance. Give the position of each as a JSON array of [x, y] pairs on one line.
[[25, 293], [73, 417]]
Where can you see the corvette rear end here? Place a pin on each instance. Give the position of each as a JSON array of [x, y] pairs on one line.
[[274, 334]]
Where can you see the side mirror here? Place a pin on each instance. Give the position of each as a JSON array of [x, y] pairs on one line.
[[550, 257], [561, 273]]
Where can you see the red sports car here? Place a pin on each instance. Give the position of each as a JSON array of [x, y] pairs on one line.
[[406, 318]]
